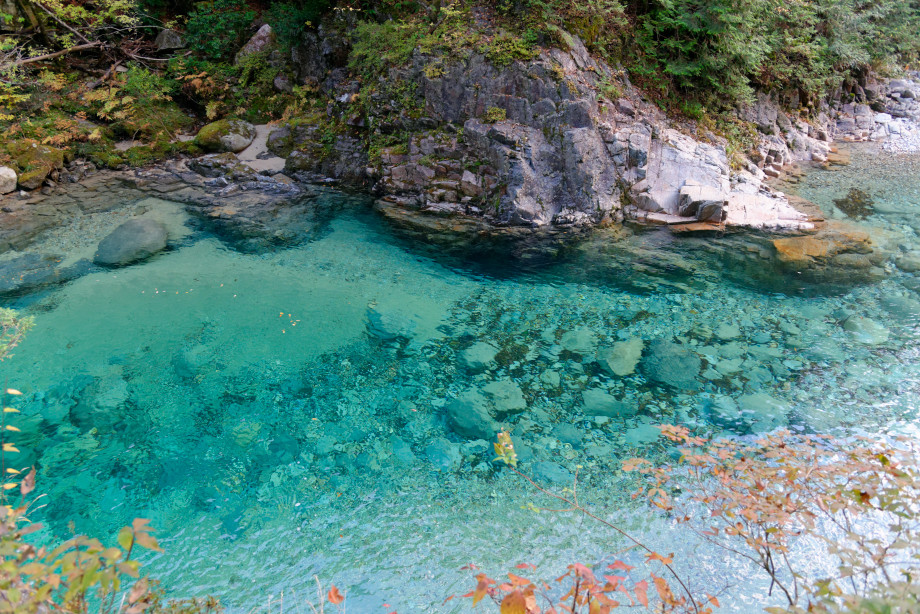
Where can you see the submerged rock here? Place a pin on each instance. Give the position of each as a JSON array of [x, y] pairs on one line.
[[506, 397], [133, 241], [621, 359], [601, 403], [479, 357], [468, 415], [672, 365], [552, 473], [389, 326], [444, 455], [581, 341], [31, 272], [866, 330], [763, 411]]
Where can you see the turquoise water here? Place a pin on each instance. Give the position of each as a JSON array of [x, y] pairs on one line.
[[282, 414]]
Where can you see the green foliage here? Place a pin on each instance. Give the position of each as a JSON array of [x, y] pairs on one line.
[[377, 46], [290, 21], [495, 114], [13, 328], [217, 28], [721, 51], [601, 24], [504, 49]]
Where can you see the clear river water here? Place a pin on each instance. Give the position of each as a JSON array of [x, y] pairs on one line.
[[280, 414]]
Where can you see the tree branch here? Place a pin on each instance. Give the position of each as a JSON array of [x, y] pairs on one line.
[[49, 56]]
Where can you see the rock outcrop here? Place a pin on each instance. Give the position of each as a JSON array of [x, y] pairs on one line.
[[535, 143]]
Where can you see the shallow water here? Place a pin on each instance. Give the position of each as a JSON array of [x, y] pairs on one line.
[[280, 415]]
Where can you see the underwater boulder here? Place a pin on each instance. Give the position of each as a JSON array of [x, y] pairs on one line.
[[621, 359], [479, 357], [389, 327], [599, 402], [581, 341], [468, 415], [444, 455], [866, 330], [672, 365], [135, 240], [506, 397]]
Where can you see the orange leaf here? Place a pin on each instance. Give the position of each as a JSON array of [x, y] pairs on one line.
[[620, 565], [334, 596], [641, 590], [514, 603], [518, 580]]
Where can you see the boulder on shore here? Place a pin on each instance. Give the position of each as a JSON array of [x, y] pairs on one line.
[[8, 180], [131, 242], [233, 135]]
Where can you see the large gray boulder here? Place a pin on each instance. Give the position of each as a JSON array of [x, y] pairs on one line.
[[169, 39], [672, 365], [131, 242]]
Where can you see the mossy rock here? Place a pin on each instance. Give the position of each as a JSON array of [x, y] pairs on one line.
[[33, 179], [35, 161], [29, 155], [231, 135]]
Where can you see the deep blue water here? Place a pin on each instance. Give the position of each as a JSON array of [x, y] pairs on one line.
[[282, 414]]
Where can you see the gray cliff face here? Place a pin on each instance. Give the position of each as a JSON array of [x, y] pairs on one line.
[[539, 143]]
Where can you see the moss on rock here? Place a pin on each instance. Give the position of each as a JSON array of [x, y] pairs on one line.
[[231, 135]]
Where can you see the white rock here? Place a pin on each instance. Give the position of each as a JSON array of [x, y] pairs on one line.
[[8, 180]]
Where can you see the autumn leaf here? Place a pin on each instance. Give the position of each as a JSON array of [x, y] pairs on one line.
[[28, 483], [518, 580], [641, 590], [514, 603], [620, 565], [138, 590], [334, 596]]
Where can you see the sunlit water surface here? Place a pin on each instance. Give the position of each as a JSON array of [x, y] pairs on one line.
[[281, 415]]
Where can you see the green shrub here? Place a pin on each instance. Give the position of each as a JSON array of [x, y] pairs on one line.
[[290, 21], [375, 46], [505, 49], [495, 114], [216, 29]]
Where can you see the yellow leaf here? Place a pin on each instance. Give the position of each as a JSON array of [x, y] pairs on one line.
[[8, 447], [13, 471], [126, 538], [10, 410], [9, 486], [13, 391], [10, 427]]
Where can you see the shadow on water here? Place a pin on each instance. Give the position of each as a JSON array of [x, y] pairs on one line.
[[635, 259]]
